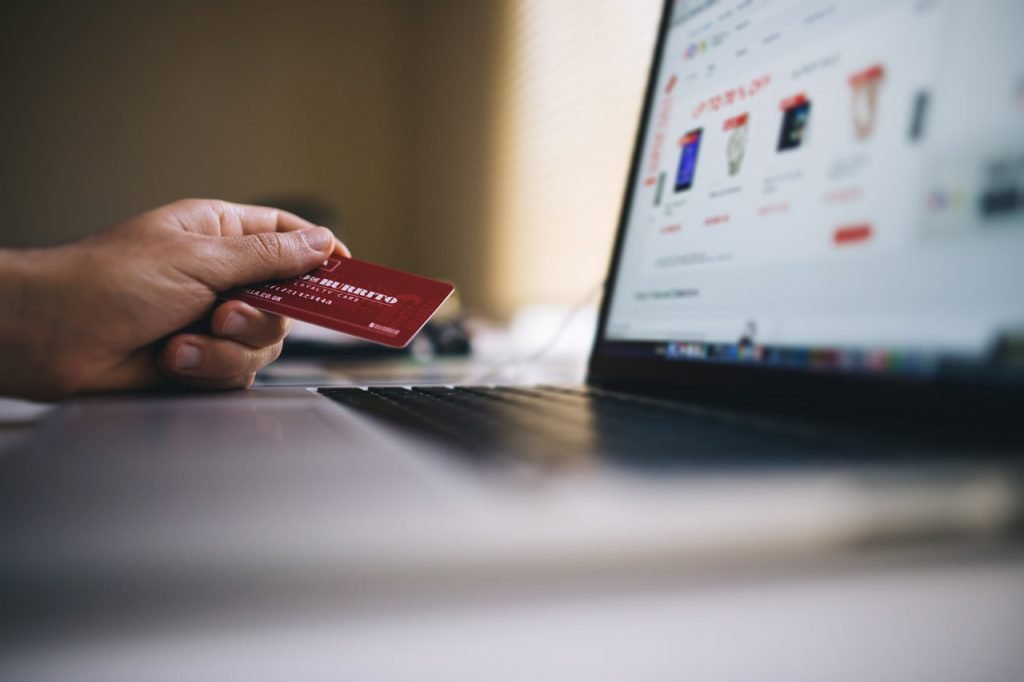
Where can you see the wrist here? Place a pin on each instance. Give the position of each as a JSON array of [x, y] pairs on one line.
[[29, 303]]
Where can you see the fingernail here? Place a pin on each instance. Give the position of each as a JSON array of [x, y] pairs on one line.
[[187, 357], [235, 324], [318, 238]]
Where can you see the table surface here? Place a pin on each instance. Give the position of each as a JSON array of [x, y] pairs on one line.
[[953, 620], [903, 615]]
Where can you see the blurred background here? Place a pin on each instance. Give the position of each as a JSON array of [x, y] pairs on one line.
[[481, 141]]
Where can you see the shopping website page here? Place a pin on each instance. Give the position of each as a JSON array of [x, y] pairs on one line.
[[830, 182]]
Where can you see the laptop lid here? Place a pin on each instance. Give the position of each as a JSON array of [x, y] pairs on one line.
[[824, 195]]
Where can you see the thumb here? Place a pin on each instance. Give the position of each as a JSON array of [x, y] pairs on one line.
[[266, 255]]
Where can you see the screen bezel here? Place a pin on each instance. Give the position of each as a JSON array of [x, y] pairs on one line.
[[759, 385]]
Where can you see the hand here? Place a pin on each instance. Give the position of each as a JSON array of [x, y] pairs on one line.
[[110, 312]]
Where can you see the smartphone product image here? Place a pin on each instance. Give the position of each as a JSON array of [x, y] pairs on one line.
[[690, 144], [796, 115]]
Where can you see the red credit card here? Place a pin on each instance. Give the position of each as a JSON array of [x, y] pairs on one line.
[[352, 296]]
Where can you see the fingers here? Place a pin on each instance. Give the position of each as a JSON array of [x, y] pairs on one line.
[[255, 219], [227, 262], [225, 219], [214, 363], [242, 323], [246, 219]]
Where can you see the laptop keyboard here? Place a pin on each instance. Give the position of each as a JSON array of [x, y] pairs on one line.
[[559, 425]]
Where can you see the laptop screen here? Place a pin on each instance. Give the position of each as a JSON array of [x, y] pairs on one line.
[[829, 185]]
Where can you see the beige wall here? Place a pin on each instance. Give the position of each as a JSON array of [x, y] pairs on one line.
[[446, 230], [110, 108]]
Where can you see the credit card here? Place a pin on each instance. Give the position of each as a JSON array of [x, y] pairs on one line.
[[369, 301]]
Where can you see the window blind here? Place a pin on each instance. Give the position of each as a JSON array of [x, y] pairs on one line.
[[572, 79]]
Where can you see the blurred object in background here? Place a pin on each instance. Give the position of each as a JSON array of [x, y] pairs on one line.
[[444, 336]]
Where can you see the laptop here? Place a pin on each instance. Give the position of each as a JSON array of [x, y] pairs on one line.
[[811, 338], [822, 221]]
